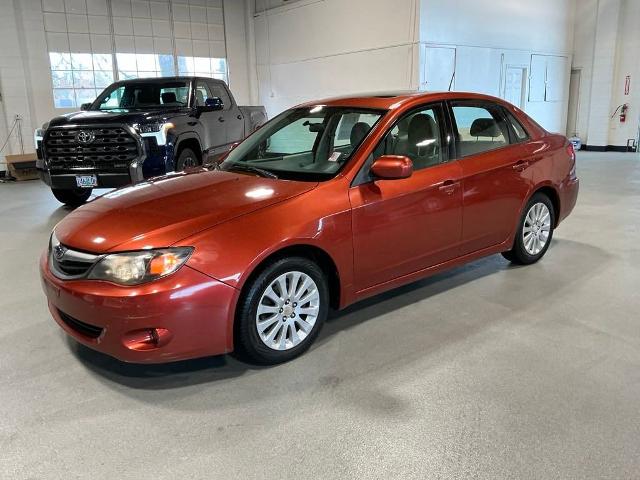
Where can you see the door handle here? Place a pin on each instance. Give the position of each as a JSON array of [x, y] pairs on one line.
[[221, 119], [520, 166], [239, 117], [191, 124], [448, 187]]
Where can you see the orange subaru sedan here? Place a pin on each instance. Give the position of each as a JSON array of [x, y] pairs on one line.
[[328, 203]]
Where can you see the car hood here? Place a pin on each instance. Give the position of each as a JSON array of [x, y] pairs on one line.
[[163, 211], [130, 117]]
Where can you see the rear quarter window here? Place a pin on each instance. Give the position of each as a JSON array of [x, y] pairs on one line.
[[519, 131]]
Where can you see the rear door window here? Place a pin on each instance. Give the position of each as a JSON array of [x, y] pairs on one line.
[[478, 128]]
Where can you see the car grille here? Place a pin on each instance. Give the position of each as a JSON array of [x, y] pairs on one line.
[[69, 264], [111, 151], [82, 328]]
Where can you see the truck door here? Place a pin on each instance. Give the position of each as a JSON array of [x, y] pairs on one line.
[[214, 132], [230, 115]]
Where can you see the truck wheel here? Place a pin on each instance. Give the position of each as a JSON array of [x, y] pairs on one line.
[[187, 159], [72, 197]]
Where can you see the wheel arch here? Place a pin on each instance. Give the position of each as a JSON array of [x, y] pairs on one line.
[[550, 191], [312, 252], [553, 195], [188, 140]]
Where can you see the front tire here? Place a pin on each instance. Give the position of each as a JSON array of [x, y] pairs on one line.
[[72, 197], [187, 159], [282, 311], [535, 231]]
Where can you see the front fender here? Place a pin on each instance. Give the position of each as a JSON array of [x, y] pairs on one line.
[[230, 252]]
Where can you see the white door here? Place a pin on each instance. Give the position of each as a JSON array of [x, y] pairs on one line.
[[515, 85], [438, 74]]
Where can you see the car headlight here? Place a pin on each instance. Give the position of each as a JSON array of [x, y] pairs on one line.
[[134, 268]]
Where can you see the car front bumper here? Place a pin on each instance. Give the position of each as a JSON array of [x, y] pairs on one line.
[[193, 312]]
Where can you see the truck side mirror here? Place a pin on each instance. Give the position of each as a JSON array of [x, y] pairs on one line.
[[85, 106], [211, 104]]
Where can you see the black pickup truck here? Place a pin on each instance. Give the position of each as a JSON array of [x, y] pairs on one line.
[[137, 129]]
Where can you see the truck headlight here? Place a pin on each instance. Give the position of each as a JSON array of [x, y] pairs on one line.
[[134, 268], [158, 130]]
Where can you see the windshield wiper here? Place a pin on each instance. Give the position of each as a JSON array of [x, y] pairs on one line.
[[250, 168]]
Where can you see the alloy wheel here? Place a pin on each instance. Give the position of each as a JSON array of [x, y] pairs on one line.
[[536, 229], [288, 310]]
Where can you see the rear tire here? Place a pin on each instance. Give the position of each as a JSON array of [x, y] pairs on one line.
[[72, 197], [187, 159], [275, 326], [535, 231]]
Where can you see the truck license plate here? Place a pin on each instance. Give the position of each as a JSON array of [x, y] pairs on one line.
[[86, 181]]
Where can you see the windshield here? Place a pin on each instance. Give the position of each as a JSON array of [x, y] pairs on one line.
[[144, 96], [311, 143]]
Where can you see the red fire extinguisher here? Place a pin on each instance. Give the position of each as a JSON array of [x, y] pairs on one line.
[[623, 113]]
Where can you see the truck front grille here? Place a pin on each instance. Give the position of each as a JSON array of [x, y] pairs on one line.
[[104, 149]]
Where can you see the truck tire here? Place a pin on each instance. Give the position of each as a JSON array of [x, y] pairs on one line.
[[187, 159], [72, 197]]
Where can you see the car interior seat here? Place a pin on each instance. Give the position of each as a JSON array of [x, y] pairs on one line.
[[199, 98], [169, 98], [358, 132], [146, 97], [423, 143], [488, 136]]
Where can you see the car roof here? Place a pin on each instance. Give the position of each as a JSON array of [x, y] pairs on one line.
[[168, 79], [397, 99]]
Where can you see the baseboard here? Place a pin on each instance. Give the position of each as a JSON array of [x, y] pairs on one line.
[[606, 148]]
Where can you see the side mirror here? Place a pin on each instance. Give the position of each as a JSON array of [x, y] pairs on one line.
[[211, 104], [85, 106], [392, 167]]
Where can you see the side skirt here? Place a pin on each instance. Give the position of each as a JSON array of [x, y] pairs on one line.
[[424, 273]]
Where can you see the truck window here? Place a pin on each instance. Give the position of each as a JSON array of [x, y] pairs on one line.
[[112, 100], [218, 90], [202, 93], [140, 95]]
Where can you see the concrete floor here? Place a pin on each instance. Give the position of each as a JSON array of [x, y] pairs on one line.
[[488, 371]]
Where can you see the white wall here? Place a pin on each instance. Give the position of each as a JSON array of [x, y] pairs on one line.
[[319, 48], [543, 25], [316, 48], [238, 62], [584, 41], [16, 65], [603, 71], [489, 35], [607, 44], [627, 64]]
